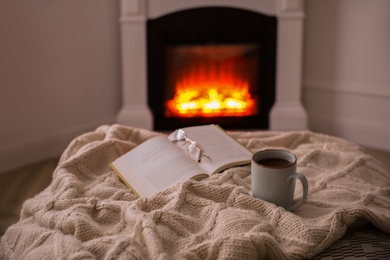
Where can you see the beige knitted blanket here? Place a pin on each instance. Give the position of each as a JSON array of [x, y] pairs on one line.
[[87, 212]]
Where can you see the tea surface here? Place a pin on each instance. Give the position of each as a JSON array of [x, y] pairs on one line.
[[274, 162]]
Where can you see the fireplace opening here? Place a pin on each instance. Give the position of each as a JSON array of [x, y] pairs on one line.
[[211, 65], [211, 80]]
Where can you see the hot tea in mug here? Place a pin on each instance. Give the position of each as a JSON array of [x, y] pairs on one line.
[[273, 174]]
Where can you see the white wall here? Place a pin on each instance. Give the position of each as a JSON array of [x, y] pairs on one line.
[[346, 70], [59, 74]]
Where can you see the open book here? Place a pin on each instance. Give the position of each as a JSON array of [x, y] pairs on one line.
[[191, 152]]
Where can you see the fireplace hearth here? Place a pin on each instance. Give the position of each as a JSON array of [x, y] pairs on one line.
[[198, 62]]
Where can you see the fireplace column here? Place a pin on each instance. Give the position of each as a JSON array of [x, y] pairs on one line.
[[288, 112], [135, 111]]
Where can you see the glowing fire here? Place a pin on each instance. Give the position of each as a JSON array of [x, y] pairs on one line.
[[212, 80], [211, 96]]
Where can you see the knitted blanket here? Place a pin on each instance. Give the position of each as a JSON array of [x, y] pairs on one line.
[[87, 212]]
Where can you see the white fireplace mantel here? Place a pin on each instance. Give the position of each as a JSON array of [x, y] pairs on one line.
[[287, 112]]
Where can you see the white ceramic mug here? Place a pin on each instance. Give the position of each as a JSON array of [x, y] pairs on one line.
[[273, 174]]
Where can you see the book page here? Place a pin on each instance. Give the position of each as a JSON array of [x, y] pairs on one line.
[[223, 150], [155, 165]]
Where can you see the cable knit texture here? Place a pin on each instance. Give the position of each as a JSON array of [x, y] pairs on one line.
[[87, 212]]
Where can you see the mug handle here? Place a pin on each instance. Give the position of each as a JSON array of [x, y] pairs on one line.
[[303, 180]]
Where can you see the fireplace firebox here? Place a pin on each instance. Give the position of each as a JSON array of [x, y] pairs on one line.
[[211, 65]]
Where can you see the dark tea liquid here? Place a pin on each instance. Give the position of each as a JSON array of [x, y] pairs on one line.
[[274, 162]]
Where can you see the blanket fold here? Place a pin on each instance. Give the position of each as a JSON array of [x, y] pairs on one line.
[[87, 212]]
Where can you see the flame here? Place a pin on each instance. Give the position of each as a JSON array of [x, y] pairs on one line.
[[201, 94]]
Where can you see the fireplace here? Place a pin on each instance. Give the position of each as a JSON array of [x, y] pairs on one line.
[[234, 63]]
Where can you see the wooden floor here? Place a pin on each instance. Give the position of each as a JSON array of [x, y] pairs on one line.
[[18, 185]]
